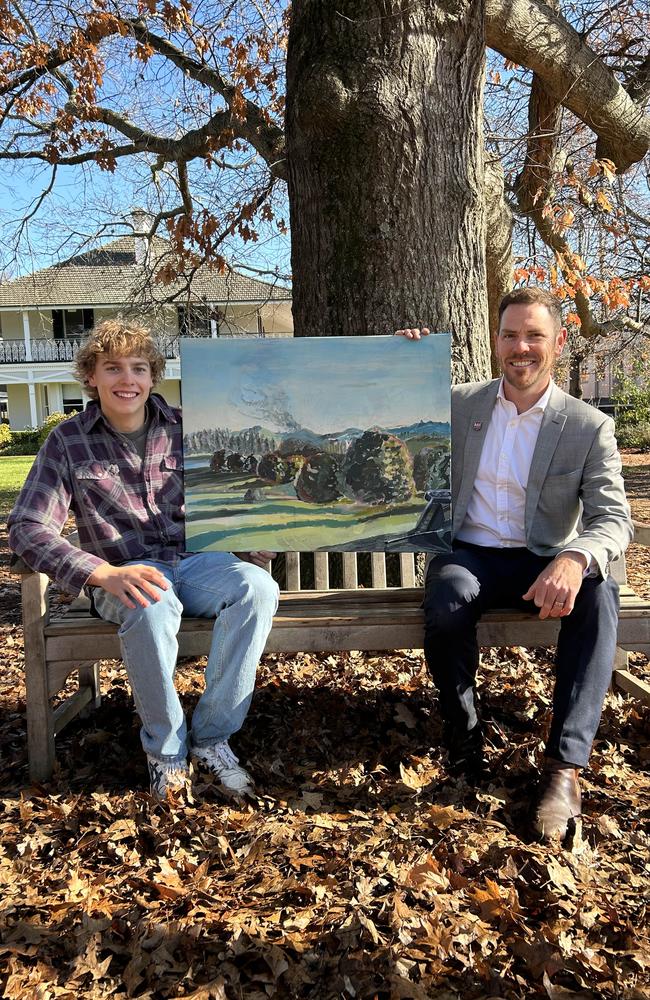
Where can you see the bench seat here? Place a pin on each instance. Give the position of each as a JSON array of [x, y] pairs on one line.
[[371, 618]]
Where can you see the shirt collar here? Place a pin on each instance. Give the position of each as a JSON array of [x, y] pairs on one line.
[[541, 403], [161, 412]]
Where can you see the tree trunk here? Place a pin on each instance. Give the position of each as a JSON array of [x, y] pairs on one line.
[[385, 150], [575, 379], [498, 246]]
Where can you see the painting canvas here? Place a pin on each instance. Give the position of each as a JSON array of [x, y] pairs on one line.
[[302, 444]]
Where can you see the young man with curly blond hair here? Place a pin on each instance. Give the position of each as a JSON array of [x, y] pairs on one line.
[[118, 466]]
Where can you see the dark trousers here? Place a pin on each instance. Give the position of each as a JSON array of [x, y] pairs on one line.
[[463, 584]]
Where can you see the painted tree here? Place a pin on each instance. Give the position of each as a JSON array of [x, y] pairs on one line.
[[320, 479], [377, 469], [401, 203], [432, 468], [276, 468]]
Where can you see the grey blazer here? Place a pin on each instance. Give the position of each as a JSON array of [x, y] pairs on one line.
[[575, 489]]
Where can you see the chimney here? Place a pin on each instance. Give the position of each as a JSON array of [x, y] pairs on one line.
[[141, 224]]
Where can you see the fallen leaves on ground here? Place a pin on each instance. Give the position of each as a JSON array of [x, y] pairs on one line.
[[361, 871]]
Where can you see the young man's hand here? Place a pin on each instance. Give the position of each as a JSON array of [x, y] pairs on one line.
[[133, 584], [555, 589], [256, 558]]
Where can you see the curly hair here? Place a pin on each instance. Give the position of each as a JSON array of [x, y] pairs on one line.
[[121, 340]]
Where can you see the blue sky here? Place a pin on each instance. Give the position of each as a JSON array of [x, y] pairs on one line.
[[83, 199], [322, 384]]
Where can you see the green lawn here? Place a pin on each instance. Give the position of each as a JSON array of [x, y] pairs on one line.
[[13, 470]]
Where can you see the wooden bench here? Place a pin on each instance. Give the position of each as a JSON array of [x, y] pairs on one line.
[[367, 617]]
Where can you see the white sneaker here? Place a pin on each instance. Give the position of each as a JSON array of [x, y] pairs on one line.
[[167, 776], [218, 758]]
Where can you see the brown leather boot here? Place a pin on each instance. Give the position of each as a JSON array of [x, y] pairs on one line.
[[559, 800]]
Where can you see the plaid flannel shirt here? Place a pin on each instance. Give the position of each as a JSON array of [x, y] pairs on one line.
[[125, 509]]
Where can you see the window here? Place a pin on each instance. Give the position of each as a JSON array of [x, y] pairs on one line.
[[198, 321], [71, 322], [72, 399]]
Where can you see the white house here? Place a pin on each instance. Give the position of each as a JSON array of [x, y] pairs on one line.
[[43, 317]]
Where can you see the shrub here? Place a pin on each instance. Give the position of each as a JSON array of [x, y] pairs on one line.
[[218, 461], [50, 423], [632, 399], [277, 468], [634, 435], [431, 468], [235, 462], [22, 443], [29, 441]]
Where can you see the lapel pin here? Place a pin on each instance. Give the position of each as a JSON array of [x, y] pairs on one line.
[[477, 425]]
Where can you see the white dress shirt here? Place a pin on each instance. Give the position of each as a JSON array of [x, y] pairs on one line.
[[496, 509]]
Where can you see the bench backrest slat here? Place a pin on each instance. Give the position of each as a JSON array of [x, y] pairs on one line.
[[407, 569], [292, 562], [378, 569], [350, 577], [321, 571]]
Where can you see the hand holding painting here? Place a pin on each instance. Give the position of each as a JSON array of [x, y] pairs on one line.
[[413, 333], [260, 558]]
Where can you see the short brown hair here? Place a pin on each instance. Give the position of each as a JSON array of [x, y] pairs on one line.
[[120, 339], [531, 295]]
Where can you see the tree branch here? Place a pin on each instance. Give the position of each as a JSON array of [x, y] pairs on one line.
[[530, 33], [534, 191], [252, 126], [498, 241]]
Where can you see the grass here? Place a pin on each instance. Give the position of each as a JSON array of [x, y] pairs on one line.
[[13, 471]]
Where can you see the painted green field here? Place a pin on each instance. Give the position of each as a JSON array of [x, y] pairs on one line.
[[280, 521]]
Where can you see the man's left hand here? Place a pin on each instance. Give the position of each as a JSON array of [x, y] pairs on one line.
[[555, 589], [256, 558]]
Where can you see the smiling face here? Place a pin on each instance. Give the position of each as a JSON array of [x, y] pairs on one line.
[[123, 385], [527, 346]]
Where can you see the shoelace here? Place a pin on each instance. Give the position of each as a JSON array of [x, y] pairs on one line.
[[224, 755]]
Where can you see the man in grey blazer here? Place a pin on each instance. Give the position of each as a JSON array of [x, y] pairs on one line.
[[539, 513]]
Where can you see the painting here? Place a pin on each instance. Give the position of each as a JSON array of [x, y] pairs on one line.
[[304, 444]]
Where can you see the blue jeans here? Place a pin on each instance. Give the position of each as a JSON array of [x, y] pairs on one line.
[[243, 598]]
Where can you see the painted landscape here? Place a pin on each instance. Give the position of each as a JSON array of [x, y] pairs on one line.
[[308, 444]]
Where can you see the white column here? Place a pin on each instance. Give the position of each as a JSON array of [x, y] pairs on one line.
[[27, 338], [33, 412]]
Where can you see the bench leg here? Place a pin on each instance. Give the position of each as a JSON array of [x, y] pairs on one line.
[[40, 738], [40, 717], [621, 662], [89, 678]]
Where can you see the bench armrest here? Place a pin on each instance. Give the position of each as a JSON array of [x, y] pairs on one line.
[[19, 566], [641, 533]]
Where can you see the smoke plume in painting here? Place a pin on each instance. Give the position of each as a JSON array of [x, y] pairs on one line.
[[325, 443]]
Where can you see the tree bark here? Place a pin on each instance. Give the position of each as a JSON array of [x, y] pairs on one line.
[[385, 151], [498, 245]]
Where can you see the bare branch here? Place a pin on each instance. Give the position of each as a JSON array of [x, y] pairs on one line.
[[251, 125], [530, 33]]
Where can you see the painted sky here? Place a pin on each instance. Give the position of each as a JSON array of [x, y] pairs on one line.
[[353, 382]]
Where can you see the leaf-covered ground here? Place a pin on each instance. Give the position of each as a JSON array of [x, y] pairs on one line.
[[362, 870]]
